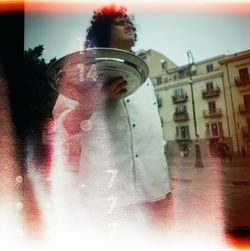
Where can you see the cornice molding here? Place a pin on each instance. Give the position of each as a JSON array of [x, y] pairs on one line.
[[184, 82]]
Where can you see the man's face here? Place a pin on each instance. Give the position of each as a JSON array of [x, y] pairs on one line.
[[122, 35]]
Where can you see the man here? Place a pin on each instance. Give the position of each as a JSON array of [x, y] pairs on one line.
[[223, 150], [122, 162]]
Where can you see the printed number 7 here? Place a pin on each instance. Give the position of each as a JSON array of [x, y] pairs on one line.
[[112, 179]]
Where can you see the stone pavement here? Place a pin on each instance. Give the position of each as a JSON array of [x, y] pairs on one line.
[[212, 199], [209, 202]]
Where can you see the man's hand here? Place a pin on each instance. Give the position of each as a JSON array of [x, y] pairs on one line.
[[90, 93], [115, 88]]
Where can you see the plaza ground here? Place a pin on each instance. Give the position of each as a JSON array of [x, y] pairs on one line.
[[214, 198]]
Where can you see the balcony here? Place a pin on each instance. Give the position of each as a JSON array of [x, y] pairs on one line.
[[243, 109], [179, 99], [182, 137], [245, 132], [216, 113], [241, 82], [180, 116], [211, 93], [211, 136]]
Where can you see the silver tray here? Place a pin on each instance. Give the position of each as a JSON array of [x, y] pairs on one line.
[[83, 67]]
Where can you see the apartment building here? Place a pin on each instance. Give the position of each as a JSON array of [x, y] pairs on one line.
[[236, 69], [221, 101], [158, 64]]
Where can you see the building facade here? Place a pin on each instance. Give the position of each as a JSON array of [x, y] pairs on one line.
[[236, 69], [221, 94]]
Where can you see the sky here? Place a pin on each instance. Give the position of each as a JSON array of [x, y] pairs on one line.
[[171, 29]]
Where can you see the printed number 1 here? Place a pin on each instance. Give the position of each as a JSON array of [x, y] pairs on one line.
[[81, 69], [113, 202]]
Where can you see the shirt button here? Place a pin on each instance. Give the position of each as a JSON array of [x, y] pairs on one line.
[[154, 103], [128, 100], [136, 155], [134, 125]]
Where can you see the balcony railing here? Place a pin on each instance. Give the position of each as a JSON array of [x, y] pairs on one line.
[[210, 135], [244, 108], [241, 82], [180, 116], [211, 93], [179, 99], [245, 132], [182, 137], [212, 113]]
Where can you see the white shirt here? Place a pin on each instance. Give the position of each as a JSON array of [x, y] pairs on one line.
[[122, 158]]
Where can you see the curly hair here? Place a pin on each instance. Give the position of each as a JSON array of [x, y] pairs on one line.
[[98, 34]]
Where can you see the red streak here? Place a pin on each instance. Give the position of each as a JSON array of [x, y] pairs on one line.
[[10, 7], [243, 8], [240, 243], [48, 7]]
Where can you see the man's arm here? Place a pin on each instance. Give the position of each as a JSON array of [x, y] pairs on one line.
[[89, 101]]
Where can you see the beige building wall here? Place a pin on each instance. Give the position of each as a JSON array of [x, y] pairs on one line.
[[236, 68], [158, 64], [166, 92]]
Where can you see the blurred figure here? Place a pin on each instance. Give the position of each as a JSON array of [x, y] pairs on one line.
[[243, 151], [223, 151]]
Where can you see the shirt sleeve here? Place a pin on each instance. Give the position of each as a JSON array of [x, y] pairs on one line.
[[68, 145]]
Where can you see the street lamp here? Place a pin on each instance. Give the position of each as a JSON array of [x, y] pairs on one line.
[[192, 68]]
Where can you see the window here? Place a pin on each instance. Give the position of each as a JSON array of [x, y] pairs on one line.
[[182, 132], [181, 74], [209, 86], [179, 92], [158, 80], [246, 99], [181, 109], [212, 106], [162, 121], [207, 130], [248, 124], [210, 67], [244, 75], [214, 129]]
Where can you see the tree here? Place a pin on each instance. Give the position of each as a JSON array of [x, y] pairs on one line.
[[39, 98]]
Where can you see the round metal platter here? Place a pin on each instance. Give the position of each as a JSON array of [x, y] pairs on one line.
[[83, 68]]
